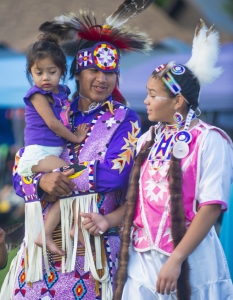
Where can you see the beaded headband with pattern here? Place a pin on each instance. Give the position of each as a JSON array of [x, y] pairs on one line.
[[168, 79], [103, 56]]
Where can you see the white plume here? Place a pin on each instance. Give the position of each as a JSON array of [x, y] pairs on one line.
[[205, 50]]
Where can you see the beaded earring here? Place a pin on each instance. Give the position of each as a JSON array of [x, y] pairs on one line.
[[178, 118]]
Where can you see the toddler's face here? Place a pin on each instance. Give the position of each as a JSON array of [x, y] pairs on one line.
[[46, 75]]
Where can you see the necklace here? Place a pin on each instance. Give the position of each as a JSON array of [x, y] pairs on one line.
[[92, 106], [170, 138], [184, 137]]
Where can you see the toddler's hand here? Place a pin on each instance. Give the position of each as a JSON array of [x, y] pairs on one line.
[[81, 131], [95, 223]]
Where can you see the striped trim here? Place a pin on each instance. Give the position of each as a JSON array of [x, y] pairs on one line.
[[91, 176], [109, 257], [222, 203]]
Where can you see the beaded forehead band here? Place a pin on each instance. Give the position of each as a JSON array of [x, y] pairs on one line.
[[103, 56], [171, 83], [169, 80]]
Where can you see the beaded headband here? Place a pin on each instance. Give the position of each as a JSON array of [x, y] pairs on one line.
[[171, 83], [169, 80], [103, 56]]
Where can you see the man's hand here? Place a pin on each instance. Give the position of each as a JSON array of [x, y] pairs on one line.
[[57, 184]]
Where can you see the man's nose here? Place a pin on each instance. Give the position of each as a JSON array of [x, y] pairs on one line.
[[101, 76]]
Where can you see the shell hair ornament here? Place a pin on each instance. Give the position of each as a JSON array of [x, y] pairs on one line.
[[205, 49]]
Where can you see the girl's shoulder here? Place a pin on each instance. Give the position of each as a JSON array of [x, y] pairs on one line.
[[33, 90]]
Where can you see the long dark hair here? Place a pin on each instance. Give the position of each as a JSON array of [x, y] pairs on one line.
[[131, 197], [46, 46]]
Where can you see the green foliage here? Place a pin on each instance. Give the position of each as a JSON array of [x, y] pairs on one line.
[[162, 3], [3, 272], [229, 7]]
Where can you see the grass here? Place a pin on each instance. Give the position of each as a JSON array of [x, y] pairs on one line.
[[3, 272]]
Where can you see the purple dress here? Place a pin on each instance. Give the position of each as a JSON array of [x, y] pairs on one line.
[[36, 131], [109, 148]]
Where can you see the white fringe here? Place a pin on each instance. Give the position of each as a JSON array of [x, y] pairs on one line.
[[34, 225], [66, 223], [83, 204], [7, 289], [105, 280]]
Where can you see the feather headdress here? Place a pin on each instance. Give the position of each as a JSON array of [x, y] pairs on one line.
[[205, 51], [71, 28]]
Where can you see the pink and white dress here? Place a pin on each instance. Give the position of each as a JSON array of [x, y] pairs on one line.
[[207, 176]]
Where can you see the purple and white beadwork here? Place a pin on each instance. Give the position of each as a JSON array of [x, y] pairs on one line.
[[178, 118], [178, 69], [183, 136]]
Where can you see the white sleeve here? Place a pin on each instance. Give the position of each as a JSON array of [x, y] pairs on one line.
[[216, 170]]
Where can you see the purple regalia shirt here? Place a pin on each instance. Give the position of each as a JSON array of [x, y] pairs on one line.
[[108, 150], [36, 131]]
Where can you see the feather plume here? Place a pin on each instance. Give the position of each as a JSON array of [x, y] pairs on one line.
[[65, 27], [166, 69], [205, 51], [69, 29], [127, 10]]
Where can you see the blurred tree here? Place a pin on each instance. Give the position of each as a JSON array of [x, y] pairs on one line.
[[229, 7], [174, 8], [162, 3]]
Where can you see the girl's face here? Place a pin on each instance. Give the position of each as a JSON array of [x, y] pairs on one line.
[[160, 107], [95, 84], [46, 75]]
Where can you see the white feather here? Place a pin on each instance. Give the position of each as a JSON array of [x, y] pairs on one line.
[[127, 10], [205, 50]]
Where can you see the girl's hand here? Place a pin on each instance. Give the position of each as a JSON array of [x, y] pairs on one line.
[[2, 236], [95, 223], [168, 275]]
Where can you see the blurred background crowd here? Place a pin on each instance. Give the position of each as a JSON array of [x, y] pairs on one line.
[[169, 23]]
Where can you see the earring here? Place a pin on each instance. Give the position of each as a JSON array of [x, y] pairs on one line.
[[178, 118], [198, 112]]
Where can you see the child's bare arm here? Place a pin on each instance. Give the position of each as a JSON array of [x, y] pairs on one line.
[[96, 223], [3, 251], [43, 108]]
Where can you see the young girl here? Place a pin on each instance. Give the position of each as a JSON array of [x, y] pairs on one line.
[[47, 121], [184, 171]]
